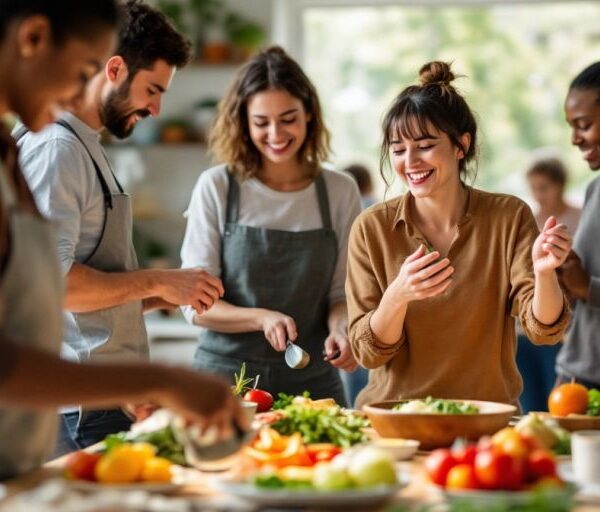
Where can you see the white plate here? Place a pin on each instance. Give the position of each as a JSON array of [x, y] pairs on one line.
[[309, 497], [85, 485], [565, 471], [480, 497]]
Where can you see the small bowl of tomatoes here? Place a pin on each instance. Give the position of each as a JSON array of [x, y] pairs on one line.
[[509, 467]]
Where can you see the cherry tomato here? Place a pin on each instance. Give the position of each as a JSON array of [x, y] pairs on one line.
[[464, 453], [568, 399], [498, 470], [81, 465], [263, 399], [462, 476], [540, 464], [438, 464], [510, 442]]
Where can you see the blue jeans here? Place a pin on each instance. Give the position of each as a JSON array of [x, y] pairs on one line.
[[96, 425], [354, 383], [536, 365]]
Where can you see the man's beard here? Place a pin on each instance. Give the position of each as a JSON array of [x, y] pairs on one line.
[[115, 112]]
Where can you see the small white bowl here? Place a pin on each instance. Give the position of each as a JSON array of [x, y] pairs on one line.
[[249, 409], [399, 449]]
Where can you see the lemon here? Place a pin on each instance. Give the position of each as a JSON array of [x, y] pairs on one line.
[[157, 469], [123, 464], [147, 450]]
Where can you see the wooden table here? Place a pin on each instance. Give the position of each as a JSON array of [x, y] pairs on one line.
[[418, 492]]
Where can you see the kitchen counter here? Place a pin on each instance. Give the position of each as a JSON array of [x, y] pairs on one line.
[[198, 495]]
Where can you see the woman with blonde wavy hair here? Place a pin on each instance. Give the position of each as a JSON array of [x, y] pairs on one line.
[[274, 225], [436, 276]]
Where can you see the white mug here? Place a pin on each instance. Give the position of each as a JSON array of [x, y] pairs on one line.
[[585, 449]]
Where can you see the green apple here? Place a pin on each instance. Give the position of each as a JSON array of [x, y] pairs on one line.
[[331, 478], [371, 466]]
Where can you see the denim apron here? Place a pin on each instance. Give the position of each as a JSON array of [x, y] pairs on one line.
[[32, 291], [284, 271]]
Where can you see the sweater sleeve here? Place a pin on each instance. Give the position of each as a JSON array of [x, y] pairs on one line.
[[363, 293], [522, 285]]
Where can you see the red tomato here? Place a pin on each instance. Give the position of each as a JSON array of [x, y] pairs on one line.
[[438, 464], [464, 454], [81, 465], [263, 399], [462, 476], [498, 470], [540, 464], [321, 452]]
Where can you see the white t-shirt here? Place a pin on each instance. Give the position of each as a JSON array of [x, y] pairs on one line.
[[261, 206], [65, 186]]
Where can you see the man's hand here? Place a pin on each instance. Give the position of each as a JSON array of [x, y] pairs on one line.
[[189, 286], [574, 278]]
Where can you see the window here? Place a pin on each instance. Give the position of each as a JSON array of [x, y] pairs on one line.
[[518, 60]]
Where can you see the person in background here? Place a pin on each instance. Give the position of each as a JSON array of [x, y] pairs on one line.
[[436, 276], [355, 381], [547, 179], [48, 51], [273, 224], [74, 185], [362, 176], [579, 357]]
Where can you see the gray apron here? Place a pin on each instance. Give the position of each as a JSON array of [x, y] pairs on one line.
[[284, 271], [32, 291], [119, 332]]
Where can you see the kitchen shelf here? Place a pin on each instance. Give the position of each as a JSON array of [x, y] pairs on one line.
[[187, 146]]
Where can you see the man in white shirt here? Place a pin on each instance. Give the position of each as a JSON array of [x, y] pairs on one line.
[[73, 184]]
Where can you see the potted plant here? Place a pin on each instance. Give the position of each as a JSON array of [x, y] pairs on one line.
[[245, 36], [212, 44]]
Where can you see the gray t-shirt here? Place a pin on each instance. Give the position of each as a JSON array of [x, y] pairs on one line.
[[261, 206], [580, 355], [65, 186]]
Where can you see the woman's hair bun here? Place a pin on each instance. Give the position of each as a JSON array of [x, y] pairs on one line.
[[436, 72]]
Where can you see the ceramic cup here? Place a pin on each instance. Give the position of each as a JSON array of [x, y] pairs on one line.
[[585, 448]]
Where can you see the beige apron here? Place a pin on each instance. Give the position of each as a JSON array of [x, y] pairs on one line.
[[31, 289]]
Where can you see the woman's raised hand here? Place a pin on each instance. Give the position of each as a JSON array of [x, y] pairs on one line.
[[421, 276], [551, 247]]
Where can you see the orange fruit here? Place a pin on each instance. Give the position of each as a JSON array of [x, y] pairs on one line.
[[568, 399]]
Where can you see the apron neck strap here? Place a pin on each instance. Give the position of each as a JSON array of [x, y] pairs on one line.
[[323, 201], [105, 188], [233, 199]]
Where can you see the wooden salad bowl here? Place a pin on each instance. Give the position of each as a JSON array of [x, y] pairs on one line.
[[574, 422], [439, 430]]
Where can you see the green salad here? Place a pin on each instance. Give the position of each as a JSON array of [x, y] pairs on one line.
[[330, 425], [435, 406], [593, 408]]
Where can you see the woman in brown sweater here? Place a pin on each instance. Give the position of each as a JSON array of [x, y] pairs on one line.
[[436, 275]]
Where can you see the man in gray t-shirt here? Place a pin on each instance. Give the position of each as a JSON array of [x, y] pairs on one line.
[[580, 356], [73, 183]]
